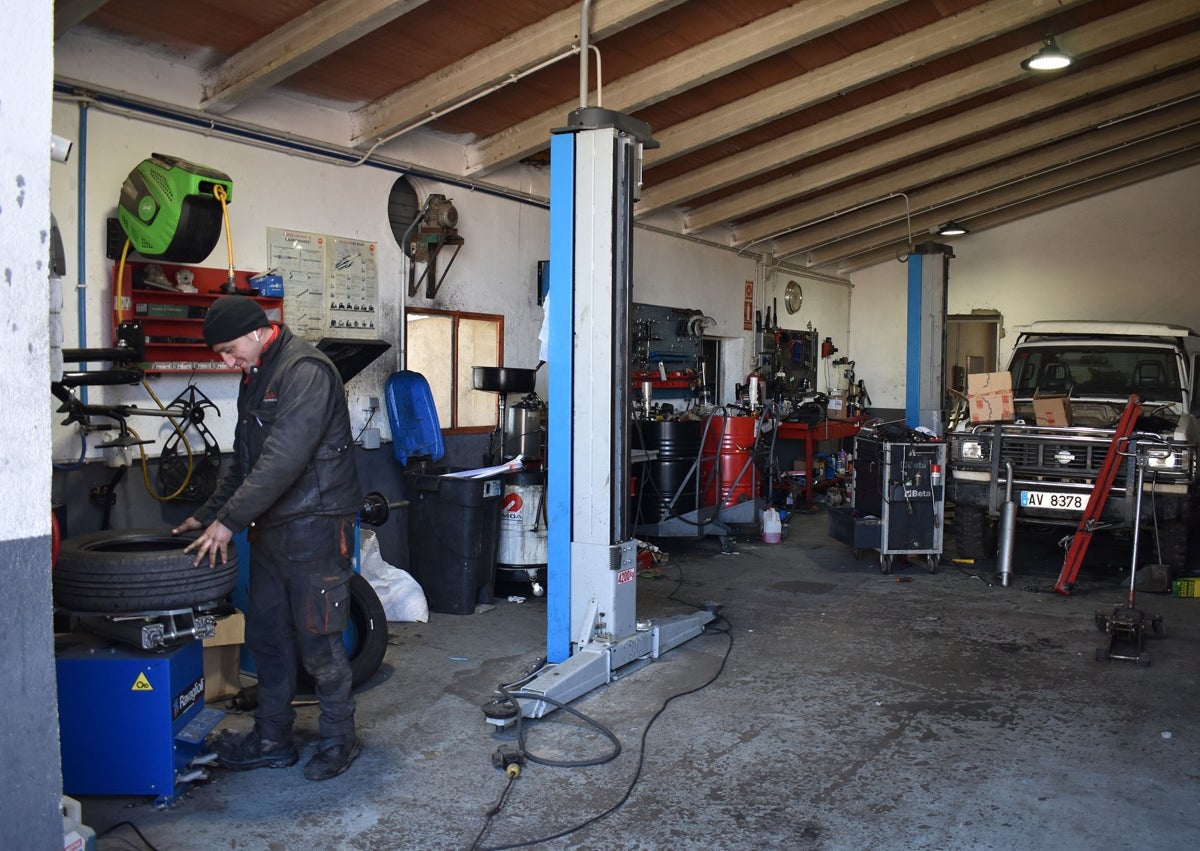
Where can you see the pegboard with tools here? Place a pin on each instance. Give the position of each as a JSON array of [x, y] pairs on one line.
[[666, 345], [788, 361]]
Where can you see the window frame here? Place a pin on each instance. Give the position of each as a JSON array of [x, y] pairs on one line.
[[456, 317]]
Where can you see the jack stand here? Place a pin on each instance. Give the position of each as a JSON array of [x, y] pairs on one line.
[[1128, 627]]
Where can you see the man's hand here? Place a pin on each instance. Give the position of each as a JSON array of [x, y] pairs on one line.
[[189, 525], [213, 542]]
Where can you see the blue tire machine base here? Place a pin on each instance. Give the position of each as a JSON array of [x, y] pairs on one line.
[[132, 722]]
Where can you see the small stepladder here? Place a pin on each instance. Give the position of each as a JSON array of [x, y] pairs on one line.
[[1095, 507]]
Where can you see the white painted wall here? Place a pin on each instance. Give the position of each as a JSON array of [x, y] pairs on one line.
[[495, 271], [30, 772], [1128, 254]]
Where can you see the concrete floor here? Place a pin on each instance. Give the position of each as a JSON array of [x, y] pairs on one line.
[[849, 711]]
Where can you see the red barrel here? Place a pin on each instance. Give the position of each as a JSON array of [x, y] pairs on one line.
[[728, 467]]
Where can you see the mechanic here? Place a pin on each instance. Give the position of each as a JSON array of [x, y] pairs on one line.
[[293, 483]]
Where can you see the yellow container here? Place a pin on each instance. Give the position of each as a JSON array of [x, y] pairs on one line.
[[1185, 588]]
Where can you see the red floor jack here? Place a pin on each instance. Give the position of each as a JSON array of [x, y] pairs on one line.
[[1127, 626]]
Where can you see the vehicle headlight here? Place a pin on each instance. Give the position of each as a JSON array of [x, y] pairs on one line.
[[968, 450], [1175, 461]]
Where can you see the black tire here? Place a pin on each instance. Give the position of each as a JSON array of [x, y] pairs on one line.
[[973, 532], [366, 637], [367, 631], [137, 570]]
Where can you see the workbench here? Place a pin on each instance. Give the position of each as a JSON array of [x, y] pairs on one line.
[[812, 434]]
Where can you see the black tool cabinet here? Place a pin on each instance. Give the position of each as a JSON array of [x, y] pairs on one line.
[[899, 488]]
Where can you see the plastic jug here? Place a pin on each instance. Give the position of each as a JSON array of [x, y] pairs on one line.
[[772, 528], [77, 836]]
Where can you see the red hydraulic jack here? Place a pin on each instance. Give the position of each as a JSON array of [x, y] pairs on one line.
[[1095, 507]]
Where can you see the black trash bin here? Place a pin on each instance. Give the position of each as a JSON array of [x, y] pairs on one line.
[[453, 529]]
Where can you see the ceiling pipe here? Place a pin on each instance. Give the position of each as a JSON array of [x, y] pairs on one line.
[[583, 52]]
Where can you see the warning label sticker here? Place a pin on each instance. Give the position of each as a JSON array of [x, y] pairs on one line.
[[141, 683]]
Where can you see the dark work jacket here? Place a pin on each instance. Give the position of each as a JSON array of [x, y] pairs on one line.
[[293, 453]]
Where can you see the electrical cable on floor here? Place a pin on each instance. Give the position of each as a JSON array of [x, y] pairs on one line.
[[132, 827], [709, 630]]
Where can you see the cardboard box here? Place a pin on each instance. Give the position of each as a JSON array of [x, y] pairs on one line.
[[223, 656], [837, 409], [990, 397], [1052, 409]]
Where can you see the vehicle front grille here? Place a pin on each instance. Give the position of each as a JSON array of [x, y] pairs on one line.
[[1057, 458]]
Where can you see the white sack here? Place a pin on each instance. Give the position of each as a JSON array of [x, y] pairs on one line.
[[402, 597]]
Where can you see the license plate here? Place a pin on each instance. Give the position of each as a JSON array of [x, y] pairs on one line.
[[1054, 500]]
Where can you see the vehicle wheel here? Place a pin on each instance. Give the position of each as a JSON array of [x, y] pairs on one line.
[[1143, 659], [1158, 628], [885, 563], [137, 570], [856, 552], [931, 563], [365, 636], [974, 532], [1101, 620]]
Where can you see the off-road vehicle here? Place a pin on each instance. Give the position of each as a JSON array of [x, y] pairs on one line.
[[1099, 365]]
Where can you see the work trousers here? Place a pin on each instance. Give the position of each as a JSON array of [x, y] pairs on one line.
[[299, 603]]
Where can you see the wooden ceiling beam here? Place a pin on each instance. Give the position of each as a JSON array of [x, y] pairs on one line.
[[949, 35], [1078, 174], [987, 118], [1039, 204], [935, 197], [496, 65], [992, 195], [68, 13], [970, 156], [685, 70], [297, 44], [887, 112]]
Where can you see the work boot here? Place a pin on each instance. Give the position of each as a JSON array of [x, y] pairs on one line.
[[242, 753], [332, 758]]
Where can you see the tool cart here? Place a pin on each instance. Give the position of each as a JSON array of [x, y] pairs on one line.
[[898, 504]]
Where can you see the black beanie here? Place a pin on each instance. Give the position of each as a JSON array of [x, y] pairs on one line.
[[231, 316]]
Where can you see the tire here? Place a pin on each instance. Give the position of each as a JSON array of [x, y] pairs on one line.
[[973, 532], [137, 570], [366, 637]]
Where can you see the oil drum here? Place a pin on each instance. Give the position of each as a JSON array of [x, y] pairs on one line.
[[522, 536], [727, 466], [678, 447]]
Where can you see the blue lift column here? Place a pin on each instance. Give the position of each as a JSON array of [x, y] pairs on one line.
[[592, 627], [928, 277]]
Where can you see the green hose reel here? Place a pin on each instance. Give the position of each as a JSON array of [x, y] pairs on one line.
[[170, 211]]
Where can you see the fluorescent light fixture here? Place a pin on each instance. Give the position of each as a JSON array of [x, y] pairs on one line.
[[951, 228], [1049, 58]]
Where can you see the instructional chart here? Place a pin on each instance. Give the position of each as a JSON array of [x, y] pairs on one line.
[[330, 283]]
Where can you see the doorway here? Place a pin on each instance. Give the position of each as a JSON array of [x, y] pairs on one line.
[[972, 346]]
